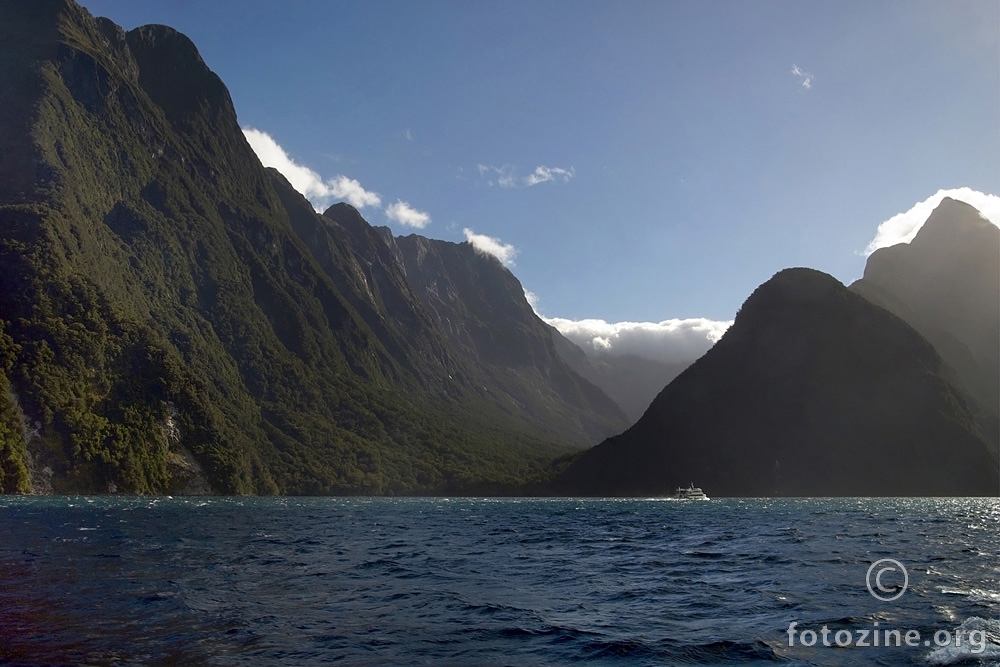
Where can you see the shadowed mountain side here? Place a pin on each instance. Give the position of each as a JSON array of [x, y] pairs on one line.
[[370, 266], [174, 317], [352, 254], [812, 392], [480, 308], [945, 283]]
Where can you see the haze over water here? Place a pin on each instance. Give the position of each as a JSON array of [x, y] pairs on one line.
[[223, 581]]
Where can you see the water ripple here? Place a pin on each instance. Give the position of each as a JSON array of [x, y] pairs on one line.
[[251, 581]]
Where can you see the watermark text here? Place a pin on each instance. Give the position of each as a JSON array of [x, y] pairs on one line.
[[884, 637]]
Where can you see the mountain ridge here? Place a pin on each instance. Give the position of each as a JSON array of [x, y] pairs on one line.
[[165, 299]]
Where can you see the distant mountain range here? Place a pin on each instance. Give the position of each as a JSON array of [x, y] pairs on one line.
[[630, 380], [175, 318]]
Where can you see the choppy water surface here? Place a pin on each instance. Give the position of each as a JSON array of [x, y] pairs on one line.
[[232, 581]]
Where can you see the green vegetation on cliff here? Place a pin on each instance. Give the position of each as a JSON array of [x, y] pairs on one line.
[[161, 299]]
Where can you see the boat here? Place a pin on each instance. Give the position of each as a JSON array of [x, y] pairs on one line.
[[690, 493]]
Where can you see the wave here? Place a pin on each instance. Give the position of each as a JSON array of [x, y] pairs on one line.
[[978, 641]]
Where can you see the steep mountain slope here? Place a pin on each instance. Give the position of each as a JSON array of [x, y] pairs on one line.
[[812, 392], [173, 315], [481, 309], [945, 283], [424, 310]]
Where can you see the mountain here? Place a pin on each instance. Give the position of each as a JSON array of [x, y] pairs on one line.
[[813, 391], [629, 380], [468, 312], [484, 314], [176, 318], [945, 283]]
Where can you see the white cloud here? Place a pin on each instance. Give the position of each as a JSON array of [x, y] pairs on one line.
[[543, 174], [488, 245], [804, 77], [532, 300], [351, 191], [320, 193], [506, 175], [670, 341], [902, 227], [405, 214]]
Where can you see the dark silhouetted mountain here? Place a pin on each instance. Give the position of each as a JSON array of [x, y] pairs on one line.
[[813, 391], [174, 317], [946, 284]]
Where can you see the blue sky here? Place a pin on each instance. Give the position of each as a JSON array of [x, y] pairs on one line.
[[642, 160]]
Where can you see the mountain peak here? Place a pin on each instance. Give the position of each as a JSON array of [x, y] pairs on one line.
[[955, 235], [174, 75], [796, 285], [341, 209], [812, 391], [946, 284], [952, 217]]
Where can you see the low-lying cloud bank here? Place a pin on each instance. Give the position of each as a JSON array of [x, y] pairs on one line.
[[669, 341], [901, 228]]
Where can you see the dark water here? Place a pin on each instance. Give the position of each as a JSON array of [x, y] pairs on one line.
[[234, 581]]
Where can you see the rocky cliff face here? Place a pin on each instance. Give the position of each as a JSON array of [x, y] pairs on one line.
[[465, 314], [152, 271], [812, 392], [481, 309]]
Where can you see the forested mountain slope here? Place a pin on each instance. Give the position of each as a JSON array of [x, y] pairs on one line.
[[174, 317]]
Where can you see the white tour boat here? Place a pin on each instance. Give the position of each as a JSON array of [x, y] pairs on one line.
[[690, 493]]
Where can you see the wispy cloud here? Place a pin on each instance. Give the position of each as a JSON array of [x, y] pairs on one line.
[[902, 227], [405, 214], [489, 245], [805, 78], [543, 174], [669, 341], [506, 176], [320, 193]]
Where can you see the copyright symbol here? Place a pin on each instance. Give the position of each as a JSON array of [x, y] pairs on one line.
[[886, 593]]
